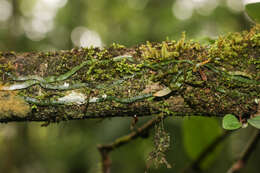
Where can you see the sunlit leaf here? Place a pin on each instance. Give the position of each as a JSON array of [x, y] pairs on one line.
[[230, 122], [199, 133], [254, 121]]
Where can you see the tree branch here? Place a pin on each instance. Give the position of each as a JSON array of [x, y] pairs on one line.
[[107, 148], [175, 78]]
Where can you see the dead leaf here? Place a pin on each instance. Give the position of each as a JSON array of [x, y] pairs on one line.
[[163, 92], [153, 87]]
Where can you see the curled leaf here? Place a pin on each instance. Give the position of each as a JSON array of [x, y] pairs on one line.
[[162, 92], [240, 73]]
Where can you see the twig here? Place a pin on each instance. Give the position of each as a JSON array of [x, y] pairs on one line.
[[242, 160], [107, 148], [195, 165]]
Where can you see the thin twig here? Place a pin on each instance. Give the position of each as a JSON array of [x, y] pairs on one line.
[[242, 160], [107, 148]]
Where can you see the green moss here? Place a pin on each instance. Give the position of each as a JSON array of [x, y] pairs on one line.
[[159, 52], [5, 68], [256, 39], [117, 46], [126, 68]]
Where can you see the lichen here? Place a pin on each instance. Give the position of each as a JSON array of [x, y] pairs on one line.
[[13, 105]]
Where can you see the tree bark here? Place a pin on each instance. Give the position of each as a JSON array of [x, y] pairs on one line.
[[173, 77]]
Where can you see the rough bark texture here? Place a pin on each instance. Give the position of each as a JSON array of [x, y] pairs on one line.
[[175, 78]]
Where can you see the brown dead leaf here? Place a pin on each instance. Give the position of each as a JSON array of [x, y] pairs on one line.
[[163, 92], [153, 87]]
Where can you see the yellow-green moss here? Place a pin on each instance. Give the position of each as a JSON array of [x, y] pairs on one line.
[[13, 105], [127, 68], [117, 46], [4, 68], [160, 51]]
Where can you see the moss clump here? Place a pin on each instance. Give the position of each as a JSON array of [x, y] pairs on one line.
[[160, 51], [5, 68], [256, 40], [127, 68], [117, 46]]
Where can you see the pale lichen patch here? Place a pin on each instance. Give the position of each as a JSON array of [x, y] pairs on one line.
[[73, 98], [13, 105]]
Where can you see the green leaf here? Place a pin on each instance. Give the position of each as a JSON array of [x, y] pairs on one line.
[[199, 133], [252, 10], [255, 122], [230, 122]]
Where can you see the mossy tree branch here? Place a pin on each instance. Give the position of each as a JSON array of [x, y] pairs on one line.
[[175, 78]]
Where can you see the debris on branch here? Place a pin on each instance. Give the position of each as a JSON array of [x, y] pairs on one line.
[[121, 141]]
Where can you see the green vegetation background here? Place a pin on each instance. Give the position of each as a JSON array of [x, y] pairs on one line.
[[70, 147]]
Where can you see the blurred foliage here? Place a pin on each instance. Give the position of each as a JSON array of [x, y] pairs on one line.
[[69, 147], [198, 133], [48, 25], [252, 11]]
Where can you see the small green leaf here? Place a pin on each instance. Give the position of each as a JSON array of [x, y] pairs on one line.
[[255, 122], [230, 122]]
